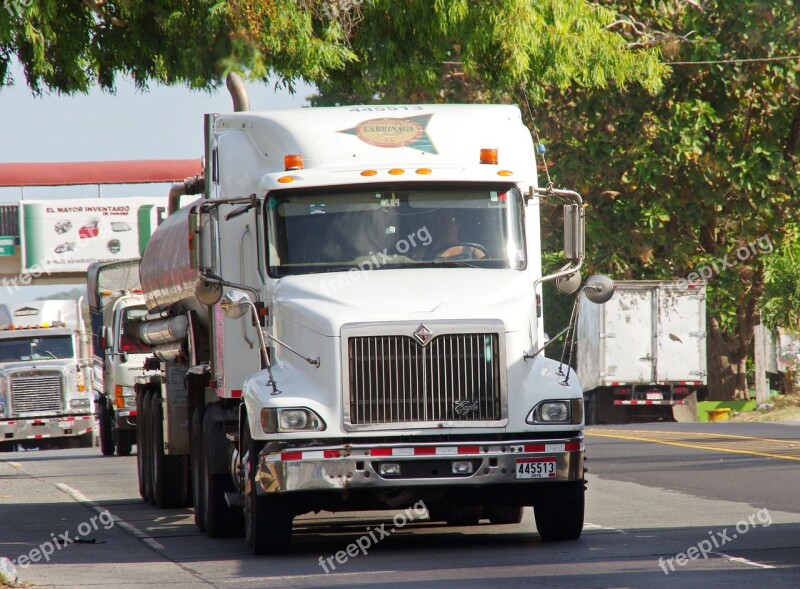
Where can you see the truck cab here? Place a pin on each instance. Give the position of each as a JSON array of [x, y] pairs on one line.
[[116, 309], [44, 392]]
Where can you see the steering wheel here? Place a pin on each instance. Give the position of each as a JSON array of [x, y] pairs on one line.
[[465, 254]]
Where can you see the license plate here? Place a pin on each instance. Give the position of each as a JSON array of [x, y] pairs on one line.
[[66, 424], [654, 396], [536, 468]]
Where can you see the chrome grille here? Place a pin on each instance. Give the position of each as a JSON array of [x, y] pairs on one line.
[[394, 379], [36, 391]]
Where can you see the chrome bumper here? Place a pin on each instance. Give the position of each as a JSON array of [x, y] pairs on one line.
[[35, 428], [332, 468]]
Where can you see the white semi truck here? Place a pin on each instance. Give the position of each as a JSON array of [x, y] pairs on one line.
[[642, 356], [45, 396], [116, 307], [349, 319]]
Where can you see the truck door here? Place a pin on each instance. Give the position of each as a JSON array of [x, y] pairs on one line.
[[680, 337], [629, 336]]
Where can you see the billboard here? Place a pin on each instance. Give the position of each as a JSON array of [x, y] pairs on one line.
[[68, 235]]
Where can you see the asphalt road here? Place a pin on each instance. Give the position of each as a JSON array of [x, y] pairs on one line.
[[725, 494]]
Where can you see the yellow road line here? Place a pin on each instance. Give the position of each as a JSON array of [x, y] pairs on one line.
[[684, 440]]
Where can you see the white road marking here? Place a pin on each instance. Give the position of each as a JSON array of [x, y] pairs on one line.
[[131, 529], [746, 561]]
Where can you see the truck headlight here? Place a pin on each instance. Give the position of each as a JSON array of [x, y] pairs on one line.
[[568, 411], [290, 419], [79, 404]]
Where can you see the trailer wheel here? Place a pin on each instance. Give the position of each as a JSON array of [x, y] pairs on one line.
[[196, 467], [559, 511], [123, 441], [219, 519], [267, 520], [143, 445], [170, 485], [504, 514], [106, 423]]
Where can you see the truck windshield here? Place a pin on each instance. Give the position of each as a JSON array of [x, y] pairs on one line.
[[36, 348], [395, 227]]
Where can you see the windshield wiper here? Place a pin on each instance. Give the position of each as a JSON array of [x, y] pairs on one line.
[[442, 264]]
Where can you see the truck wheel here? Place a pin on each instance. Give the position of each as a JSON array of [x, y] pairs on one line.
[[123, 441], [267, 522], [463, 515], [106, 423], [559, 511], [196, 467], [219, 519], [143, 445], [170, 485], [504, 514]]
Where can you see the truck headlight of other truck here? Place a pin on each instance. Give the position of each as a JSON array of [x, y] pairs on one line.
[[79, 404], [290, 419], [569, 411]]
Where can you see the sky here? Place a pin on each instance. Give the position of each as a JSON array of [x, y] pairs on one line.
[[162, 123]]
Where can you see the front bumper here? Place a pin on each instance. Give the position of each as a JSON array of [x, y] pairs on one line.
[[36, 428], [356, 466], [125, 418]]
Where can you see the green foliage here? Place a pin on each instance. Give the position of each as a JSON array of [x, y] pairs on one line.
[[780, 305], [354, 50]]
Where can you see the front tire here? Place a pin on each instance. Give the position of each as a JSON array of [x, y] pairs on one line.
[[106, 427], [267, 522], [219, 519], [123, 441], [196, 464], [559, 511]]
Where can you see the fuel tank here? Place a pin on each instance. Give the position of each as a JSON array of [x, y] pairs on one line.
[[168, 280]]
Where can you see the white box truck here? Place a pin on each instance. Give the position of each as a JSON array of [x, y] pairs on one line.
[[45, 396], [643, 353], [349, 319]]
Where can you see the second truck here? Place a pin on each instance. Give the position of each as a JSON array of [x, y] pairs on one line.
[[349, 318]]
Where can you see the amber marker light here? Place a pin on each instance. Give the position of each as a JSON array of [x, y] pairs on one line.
[[286, 179], [423, 171], [293, 162], [396, 171], [489, 156], [505, 173], [369, 173]]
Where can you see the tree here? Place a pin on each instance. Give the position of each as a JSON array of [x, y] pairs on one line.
[[353, 49], [703, 179]]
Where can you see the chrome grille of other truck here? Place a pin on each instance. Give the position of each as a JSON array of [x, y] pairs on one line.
[[36, 391], [395, 379]]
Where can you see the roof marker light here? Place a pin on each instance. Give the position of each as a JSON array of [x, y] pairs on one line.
[[505, 173], [396, 171], [423, 171], [293, 162], [369, 173], [286, 179], [489, 156]]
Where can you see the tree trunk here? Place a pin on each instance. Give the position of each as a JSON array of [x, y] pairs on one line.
[[727, 362]]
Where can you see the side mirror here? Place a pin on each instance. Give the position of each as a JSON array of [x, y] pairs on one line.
[[570, 283], [235, 304], [599, 288], [574, 232]]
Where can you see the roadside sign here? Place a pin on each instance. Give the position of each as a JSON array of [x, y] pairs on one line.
[[6, 245]]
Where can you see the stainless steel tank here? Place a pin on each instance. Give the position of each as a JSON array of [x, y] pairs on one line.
[[168, 281]]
